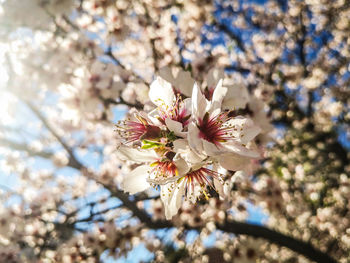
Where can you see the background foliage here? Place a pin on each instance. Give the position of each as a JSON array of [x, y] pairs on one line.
[[71, 69]]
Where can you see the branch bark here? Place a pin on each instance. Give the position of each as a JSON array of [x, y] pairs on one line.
[[301, 247]]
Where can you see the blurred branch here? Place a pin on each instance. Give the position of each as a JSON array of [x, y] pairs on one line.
[[118, 62], [72, 159], [121, 101], [99, 213], [234, 227], [301, 42], [238, 69], [151, 40], [131, 205], [303, 248], [74, 163], [25, 148], [225, 28]]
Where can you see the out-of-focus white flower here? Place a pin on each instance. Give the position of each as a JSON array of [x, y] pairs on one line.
[[180, 80]]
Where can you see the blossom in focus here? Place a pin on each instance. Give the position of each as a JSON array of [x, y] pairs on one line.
[[182, 143]]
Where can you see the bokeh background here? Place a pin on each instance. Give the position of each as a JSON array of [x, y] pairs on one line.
[[70, 69]]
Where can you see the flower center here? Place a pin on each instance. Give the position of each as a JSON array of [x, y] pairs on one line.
[[216, 129], [132, 131], [202, 178], [176, 112], [164, 170]]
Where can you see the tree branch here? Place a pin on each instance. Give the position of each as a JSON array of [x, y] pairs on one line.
[[118, 62], [25, 148], [72, 159], [232, 35], [301, 247]]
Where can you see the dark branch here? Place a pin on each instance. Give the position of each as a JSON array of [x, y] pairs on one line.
[[110, 54], [303, 248], [231, 34]]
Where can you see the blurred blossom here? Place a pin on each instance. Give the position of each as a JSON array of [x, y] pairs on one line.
[[156, 123]]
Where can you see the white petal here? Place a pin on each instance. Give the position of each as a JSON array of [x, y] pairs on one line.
[[233, 162], [249, 133], [222, 188], [193, 139], [166, 74], [238, 148], [136, 155], [219, 187], [237, 97], [199, 102], [214, 75], [218, 96], [211, 149], [172, 198], [186, 104], [184, 83], [153, 117], [246, 130], [181, 165], [175, 127], [136, 181], [182, 147], [161, 92]]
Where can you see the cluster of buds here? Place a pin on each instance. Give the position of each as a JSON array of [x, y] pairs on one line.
[[182, 145]]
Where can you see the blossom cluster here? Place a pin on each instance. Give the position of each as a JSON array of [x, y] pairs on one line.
[[187, 140]]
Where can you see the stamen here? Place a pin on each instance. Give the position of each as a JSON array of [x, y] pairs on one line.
[[163, 171], [176, 112], [216, 129], [203, 178], [132, 131]]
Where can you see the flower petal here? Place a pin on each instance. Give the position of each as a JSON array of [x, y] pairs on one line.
[[136, 181], [166, 74], [211, 149], [181, 165], [237, 97], [214, 75], [161, 92], [238, 148], [233, 162], [171, 195], [199, 102], [218, 96], [182, 147], [194, 141], [186, 104], [246, 129], [175, 127], [184, 83], [139, 156]]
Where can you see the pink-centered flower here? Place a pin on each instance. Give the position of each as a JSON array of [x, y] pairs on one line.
[[201, 177], [156, 170], [216, 129], [163, 170], [178, 111], [192, 186], [136, 129], [213, 133], [172, 110]]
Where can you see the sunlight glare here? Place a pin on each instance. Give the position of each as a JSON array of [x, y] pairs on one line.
[[5, 98]]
